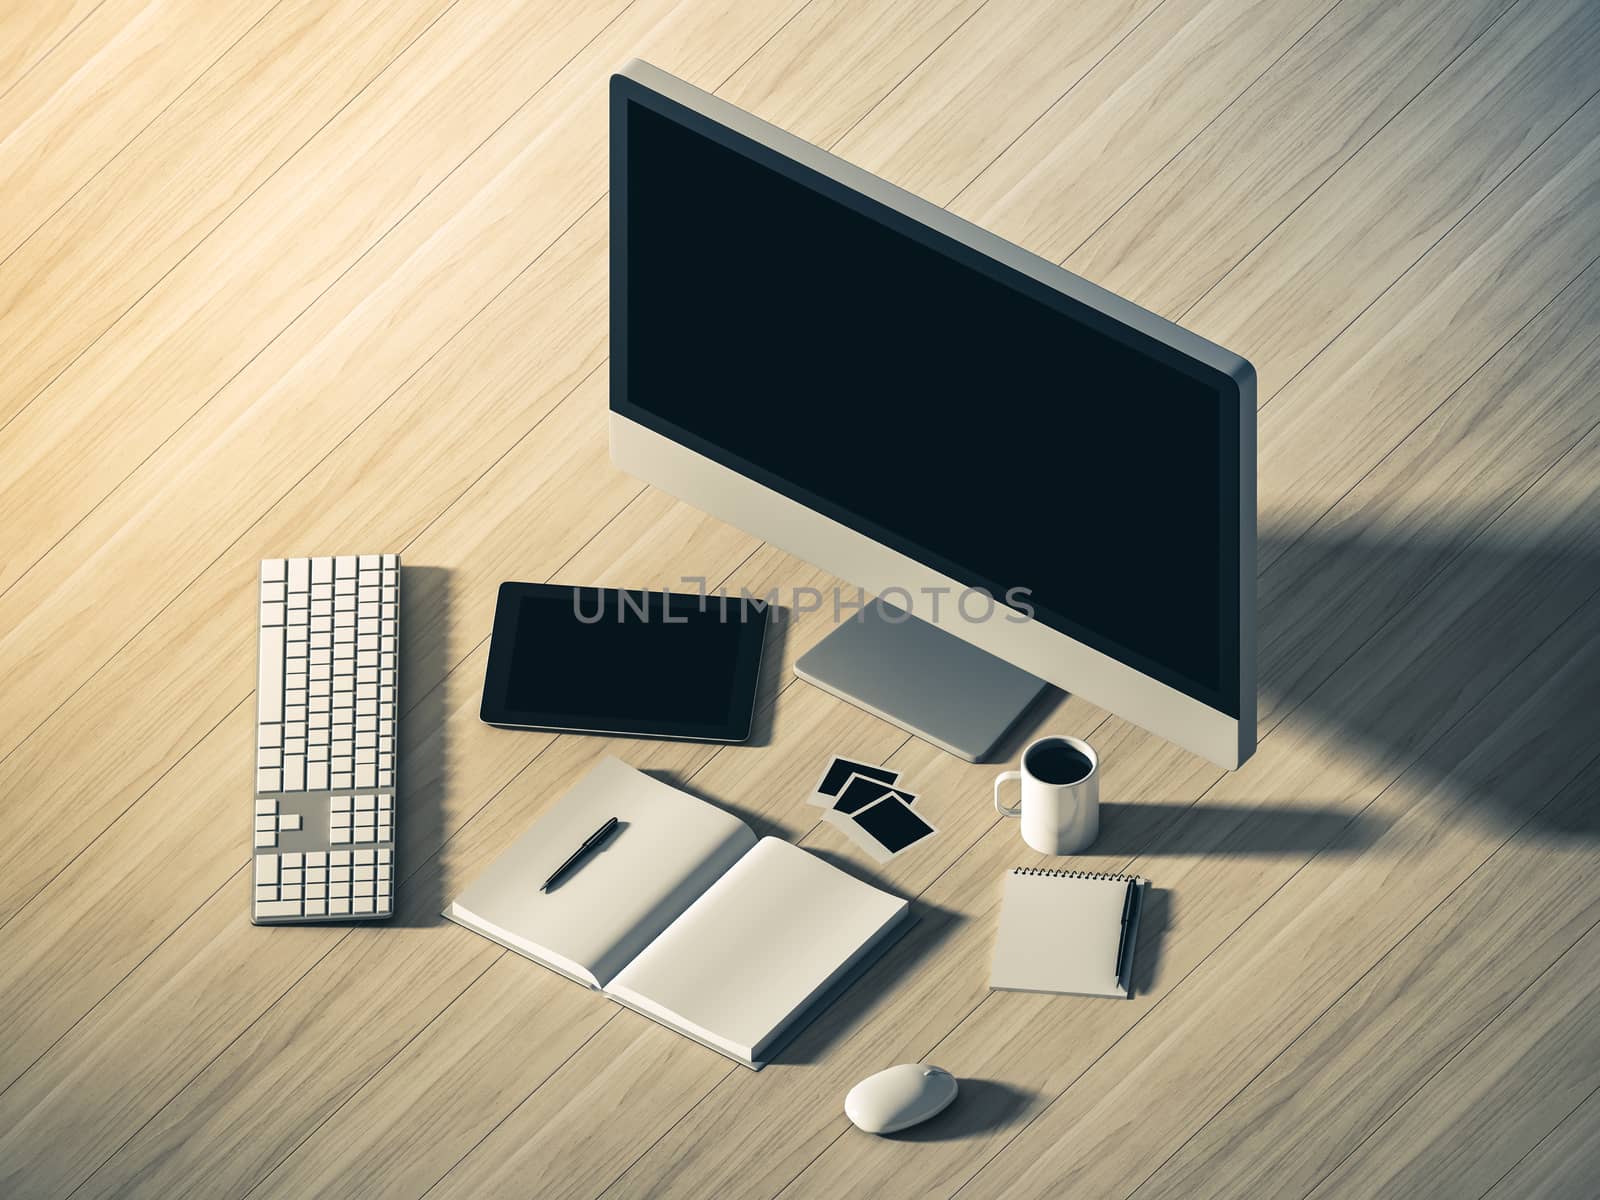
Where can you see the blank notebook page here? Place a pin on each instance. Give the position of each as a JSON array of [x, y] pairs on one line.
[[1060, 933], [762, 941]]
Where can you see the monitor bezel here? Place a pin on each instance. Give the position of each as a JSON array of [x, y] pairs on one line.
[[1194, 723]]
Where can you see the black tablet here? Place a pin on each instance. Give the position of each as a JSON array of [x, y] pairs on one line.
[[604, 660]]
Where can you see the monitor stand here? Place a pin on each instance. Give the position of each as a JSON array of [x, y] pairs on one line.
[[927, 681]]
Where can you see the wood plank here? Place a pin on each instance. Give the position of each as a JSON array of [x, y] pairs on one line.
[[1388, 527], [1461, 137], [1285, 137], [1444, 981], [249, 445], [809, 83], [1442, 320], [1495, 1100], [1562, 1165], [1010, 62], [103, 249], [1186, 67], [101, 85], [30, 32]]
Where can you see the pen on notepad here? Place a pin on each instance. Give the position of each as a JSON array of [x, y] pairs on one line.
[[591, 843], [1122, 942]]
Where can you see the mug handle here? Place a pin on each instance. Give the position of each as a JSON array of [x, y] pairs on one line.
[[1003, 778]]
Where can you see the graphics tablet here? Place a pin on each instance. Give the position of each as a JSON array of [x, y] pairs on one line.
[[604, 660]]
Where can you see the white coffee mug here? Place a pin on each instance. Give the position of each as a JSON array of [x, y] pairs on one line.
[[1060, 806]]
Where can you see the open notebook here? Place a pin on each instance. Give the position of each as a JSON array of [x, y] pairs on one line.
[[683, 914]]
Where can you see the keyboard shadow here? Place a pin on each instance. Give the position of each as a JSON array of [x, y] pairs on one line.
[[425, 601]]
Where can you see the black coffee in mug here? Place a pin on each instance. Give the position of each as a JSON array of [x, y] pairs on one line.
[[1057, 762]]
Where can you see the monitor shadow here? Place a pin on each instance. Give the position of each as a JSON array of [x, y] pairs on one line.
[[1389, 639]]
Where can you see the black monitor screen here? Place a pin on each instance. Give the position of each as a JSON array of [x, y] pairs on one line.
[[924, 394]]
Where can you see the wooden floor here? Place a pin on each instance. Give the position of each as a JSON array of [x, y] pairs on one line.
[[301, 276]]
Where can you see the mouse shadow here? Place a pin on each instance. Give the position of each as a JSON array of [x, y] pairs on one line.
[[981, 1106], [424, 732]]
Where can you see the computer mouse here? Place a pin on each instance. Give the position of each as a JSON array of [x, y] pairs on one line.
[[899, 1097]]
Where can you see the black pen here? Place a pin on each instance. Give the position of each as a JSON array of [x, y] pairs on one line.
[[593, 841], [1122, 942]]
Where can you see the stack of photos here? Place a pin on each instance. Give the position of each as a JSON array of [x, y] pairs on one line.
[[864, 803]]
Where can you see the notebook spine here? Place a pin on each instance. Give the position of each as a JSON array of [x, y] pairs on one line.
[[1064, 874]]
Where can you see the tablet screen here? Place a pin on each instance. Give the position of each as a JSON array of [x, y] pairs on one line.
[[602, 660]]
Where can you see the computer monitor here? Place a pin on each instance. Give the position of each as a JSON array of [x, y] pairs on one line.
[[1042, 480]]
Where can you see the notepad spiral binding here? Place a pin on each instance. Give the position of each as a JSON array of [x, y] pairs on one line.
[[1064, 874]]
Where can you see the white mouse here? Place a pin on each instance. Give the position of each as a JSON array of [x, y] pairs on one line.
[[900, 1097]]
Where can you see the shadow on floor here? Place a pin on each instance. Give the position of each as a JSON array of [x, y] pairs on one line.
[[1481, 649]]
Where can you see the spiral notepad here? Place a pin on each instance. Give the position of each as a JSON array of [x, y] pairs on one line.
[[1068, 932]]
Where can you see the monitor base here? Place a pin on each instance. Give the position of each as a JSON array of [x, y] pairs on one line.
[[917, 676]]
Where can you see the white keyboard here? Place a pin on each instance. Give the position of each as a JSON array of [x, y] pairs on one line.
[[326, 712]]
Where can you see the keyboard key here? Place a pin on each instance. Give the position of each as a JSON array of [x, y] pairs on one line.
[[266, 868], [316, 776], [267, 892], [291, 861], [361, 904], [338, 906], [273, 568], [269, 677], [365, 858], [268, 779], [316, 906], [299, 575], [277, 908], [339, 858], [294, 780]]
